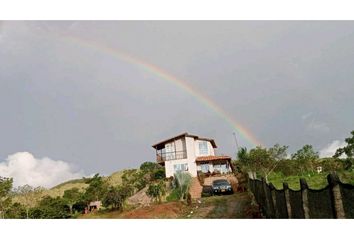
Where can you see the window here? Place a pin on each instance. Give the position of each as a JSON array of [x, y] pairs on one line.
[[203, 148], [204, 167], [180, 167], [222, 168], [170, 151]]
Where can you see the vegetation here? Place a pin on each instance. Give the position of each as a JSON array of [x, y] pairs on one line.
[[28, 196], [156, 190], [275, 167], [260, 160], [5, 198], [50, 208], [72, 197], [182, 182], [304, 159], [348, 151], [116, 196]]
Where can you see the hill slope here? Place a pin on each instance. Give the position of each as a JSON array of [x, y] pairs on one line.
[[114, 179]]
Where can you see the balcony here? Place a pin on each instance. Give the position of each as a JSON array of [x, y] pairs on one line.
[[168, 156]]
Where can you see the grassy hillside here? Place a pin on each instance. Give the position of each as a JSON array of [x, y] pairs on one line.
[[314, 180], [114, 179]]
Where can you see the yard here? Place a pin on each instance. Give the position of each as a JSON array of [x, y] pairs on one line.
[[238, 205]]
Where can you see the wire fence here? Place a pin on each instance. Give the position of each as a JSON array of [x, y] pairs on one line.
[[336, 200]]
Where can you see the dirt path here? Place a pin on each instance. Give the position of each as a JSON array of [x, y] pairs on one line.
[[234, 206], [237, 205]]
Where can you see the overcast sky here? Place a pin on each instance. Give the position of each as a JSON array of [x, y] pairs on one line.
[[76, 109]]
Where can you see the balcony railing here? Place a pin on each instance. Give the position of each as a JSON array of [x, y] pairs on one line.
[[167, 156]]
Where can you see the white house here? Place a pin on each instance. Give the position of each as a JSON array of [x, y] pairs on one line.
[[190, 153]]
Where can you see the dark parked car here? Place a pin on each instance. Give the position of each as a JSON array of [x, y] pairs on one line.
[[221, 186]]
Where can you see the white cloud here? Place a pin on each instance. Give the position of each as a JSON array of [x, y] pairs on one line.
[[331, 148], [24, 168]]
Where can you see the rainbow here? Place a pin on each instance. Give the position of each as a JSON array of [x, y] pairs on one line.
[[162, 74]]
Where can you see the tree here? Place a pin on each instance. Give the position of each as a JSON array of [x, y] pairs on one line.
[[304, 158], [71, 197], [50, 208], [16, 211], [96, 189], [5, 198], [29, 196], [156, 190], [242, 155], [261, 160], [149, 166], [243, 158], [348, 151], [116, 196], [158, 174], [278, 152]]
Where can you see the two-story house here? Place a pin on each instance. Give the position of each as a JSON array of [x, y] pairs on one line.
[[190, 153]]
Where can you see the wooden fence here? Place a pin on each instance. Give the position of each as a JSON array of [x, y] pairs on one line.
[[336, 200]]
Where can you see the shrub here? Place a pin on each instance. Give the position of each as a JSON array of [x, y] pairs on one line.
[[149, 166], [183, 181], [50, 208], [156, 190], [116, 196], [17, 210], [158, 174], [175, 195], [287, 167]]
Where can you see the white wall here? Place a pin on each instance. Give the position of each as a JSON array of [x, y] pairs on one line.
[[191, 156], [192, 148]]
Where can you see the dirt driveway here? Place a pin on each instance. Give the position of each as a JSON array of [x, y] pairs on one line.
[[234, 206]]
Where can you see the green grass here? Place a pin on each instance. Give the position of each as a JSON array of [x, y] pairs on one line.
[[314, 180]]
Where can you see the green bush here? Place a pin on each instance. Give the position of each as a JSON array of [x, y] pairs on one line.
[[286, 167], [156, 190], [16, 211], [158, 174], [175, 195], [50, 208], [149, 166]]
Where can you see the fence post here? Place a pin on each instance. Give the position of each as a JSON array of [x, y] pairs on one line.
[[267, 200], [305, 201], [336, 196], [287, 199], [274, 199]]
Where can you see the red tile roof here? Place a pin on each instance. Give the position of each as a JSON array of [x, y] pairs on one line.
[[212, 158]]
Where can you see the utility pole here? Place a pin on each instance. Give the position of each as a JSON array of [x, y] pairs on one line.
[[237, 147]]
